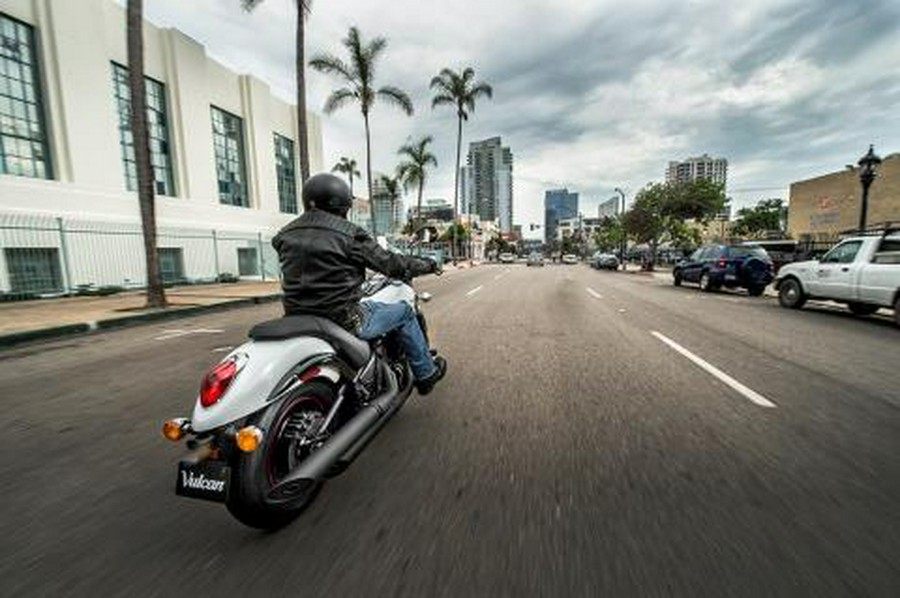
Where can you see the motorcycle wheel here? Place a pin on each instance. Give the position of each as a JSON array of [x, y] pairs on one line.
[[255, 474]]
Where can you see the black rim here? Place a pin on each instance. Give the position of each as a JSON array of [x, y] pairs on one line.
[[289, 443]]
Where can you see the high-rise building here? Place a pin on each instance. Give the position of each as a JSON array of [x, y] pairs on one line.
[[486, 183], [701, 167], [559, 204], [608, 208], [386, 223]]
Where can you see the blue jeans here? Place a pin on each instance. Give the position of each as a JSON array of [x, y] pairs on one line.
[[380, 318]]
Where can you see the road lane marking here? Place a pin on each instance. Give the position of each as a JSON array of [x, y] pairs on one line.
[[475, 290], [711, 369], [222, 349], [593, 293], [170, 334]]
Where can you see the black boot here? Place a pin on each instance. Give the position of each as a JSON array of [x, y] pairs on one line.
[[427, 385]]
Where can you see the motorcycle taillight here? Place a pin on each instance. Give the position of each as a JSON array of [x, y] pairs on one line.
[[216, 382]]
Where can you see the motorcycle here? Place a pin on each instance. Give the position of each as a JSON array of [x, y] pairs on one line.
[[291, 408]]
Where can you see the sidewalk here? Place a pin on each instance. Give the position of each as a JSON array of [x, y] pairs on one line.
[[22, 321], [44, 318]]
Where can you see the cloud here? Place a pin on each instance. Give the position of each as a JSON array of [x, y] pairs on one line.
[[596, 94]]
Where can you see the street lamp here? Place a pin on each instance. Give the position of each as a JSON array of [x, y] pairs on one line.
[[624, 246], [867, 165]]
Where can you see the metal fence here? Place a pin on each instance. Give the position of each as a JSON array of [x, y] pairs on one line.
[[42, 256]]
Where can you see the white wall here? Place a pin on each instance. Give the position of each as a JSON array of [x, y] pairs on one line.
[[76, 41]]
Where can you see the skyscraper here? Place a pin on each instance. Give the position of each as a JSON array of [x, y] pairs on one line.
[[385, 222], [701, 167], [559, 204], [486, 183]]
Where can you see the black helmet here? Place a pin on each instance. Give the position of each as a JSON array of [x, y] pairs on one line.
[[327, 192]]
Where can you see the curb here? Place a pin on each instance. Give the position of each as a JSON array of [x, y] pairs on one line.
[[8, 341]]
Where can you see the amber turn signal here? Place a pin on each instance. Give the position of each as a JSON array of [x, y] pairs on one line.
[[248, 439], [174, 429]]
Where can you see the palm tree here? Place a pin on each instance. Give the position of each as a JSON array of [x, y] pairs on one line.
[[414, 170], [392, 187], [359, 79], [303, 8], [348, 167], [458, 90], [156, 295]]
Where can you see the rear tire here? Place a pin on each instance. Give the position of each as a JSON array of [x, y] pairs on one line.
[[676, 278], [790, 294], [706, 283], [254, 474], [756, 290], [862, 309], [897, 311]]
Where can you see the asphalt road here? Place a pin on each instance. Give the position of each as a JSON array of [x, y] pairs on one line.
[[599, 434]]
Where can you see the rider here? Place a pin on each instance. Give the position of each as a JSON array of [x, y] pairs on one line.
[[323, 262]]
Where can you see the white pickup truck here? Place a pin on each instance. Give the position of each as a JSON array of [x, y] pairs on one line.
[[863, 272]]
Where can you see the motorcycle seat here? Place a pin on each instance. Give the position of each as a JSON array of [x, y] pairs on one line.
[[355, 350]]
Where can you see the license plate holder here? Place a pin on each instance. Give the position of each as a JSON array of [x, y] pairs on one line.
[[208, 480]]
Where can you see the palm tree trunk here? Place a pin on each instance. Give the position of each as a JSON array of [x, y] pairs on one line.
[[419, 209], [302, 129], [456, 185], [350, 176], [156, 296], [369, 175]]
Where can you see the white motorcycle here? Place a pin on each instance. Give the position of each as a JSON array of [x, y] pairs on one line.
[[289, 409]]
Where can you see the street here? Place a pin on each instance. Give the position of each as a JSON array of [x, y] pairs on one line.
[[598, 434]]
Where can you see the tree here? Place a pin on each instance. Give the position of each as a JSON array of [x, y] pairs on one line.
[[413, 171], [392, 187], [303, 9], [460, 91], [348, 167], [610, 233], [766, 216], [661, 209], [156, 295], [359, 78]]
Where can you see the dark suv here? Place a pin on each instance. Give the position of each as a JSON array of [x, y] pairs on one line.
[[732, 266]]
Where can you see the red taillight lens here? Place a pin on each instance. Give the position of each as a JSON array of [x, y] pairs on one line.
[[722, 262], [216, 382]]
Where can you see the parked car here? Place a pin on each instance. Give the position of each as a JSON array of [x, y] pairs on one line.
[[861, 271], [507, 258], [570, 258], [535, 259], [604, 261], [732, 266]]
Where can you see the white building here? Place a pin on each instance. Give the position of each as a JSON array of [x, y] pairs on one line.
[[569, 226], [701, 167], [223, 147], [608, 208]]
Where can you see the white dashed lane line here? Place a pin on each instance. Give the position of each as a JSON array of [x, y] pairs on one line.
[[748, 393], [594, 293], [475, 290]]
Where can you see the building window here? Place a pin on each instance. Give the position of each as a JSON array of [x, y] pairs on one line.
[[171, 264], [33, 270], [23, 139], [248, 262], [157, 127], [228, 142], [285, 172]]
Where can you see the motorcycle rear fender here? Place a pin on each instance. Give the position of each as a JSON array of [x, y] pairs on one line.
[[265, 365]]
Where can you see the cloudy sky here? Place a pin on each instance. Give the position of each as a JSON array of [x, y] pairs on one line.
[[595, 94]]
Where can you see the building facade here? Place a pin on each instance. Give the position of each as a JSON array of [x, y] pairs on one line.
[[223, 150], [821, 208], [701, 167], [486, 182], [559, 204], [388, 211], [608, 208]]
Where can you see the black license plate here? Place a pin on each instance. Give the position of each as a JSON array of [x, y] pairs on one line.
[[208, 480]]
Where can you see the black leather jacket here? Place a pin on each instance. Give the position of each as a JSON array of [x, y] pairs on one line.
[[323, 263]]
